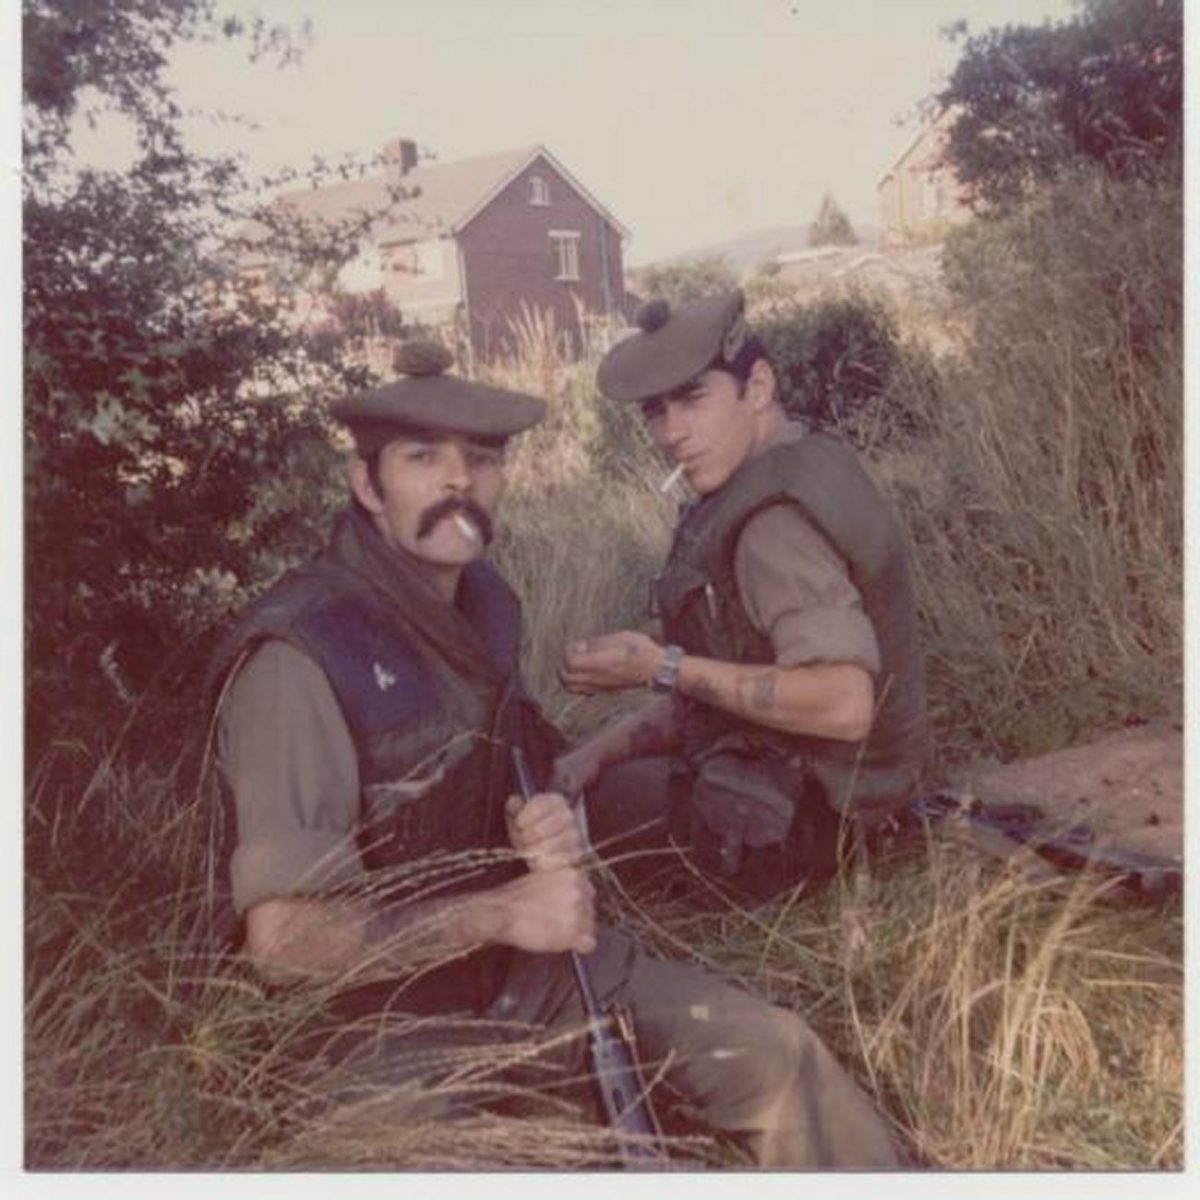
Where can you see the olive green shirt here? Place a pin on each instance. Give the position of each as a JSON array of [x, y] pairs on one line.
[[796, 589], [287, 756]]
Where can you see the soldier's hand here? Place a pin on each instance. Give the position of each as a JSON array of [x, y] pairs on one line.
[[611, 661], [545, 832], [548, 912]]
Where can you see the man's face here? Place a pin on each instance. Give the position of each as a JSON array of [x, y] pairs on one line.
[[707, 425], [437, 496]]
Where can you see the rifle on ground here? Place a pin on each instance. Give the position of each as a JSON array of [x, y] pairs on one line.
[[1072, 848], [610, 1049]]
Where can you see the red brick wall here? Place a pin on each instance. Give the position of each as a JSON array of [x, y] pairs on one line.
[[510, 258]]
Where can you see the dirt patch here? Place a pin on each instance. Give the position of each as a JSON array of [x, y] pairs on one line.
[[1126, 785]]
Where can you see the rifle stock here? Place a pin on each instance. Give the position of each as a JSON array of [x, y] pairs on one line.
[[1072, 848]]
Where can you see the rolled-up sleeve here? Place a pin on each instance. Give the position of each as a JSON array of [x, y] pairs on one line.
[[286, 754], [797, 592]]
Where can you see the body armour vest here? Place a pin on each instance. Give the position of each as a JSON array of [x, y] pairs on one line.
[[702, 611], [431, 737]]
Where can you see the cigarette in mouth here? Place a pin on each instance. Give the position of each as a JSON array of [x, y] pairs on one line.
[[671, 480], [466, 528]]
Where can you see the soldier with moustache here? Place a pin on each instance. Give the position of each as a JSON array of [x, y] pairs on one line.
[[368, 704]]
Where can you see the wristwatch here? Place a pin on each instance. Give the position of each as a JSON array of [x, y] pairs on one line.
[[668, 671]]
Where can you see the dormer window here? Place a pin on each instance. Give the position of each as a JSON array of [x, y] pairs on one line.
[[539, 190]]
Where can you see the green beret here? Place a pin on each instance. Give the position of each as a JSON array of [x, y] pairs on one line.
[[426, 399], [673, 346]]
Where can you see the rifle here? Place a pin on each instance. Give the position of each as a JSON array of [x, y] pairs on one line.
[[611, 1053], [1072, 847]]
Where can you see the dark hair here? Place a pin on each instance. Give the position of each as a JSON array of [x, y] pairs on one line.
[[743, 361], [371, 459]]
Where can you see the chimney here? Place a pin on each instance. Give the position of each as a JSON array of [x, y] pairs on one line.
[[399, 157]]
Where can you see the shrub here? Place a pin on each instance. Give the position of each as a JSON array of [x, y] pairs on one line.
[[679, 282], [841, 364], [175, 447]]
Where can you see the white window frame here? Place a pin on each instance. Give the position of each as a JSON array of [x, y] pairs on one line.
[[566, 248], [539, 191]]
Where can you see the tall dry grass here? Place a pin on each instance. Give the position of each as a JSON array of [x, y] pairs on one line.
[[1045, 510], [585, 526], [1001, 1022], [1005, 1018]]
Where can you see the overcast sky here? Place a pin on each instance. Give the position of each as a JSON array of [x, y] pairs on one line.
[[691, 120]]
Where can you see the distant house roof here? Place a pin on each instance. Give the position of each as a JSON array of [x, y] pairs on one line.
[[933, 153], [438, 199]]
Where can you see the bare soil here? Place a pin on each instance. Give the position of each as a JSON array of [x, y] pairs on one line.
[[1126, 785]]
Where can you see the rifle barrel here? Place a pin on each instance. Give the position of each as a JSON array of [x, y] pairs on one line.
[[626, 1106]]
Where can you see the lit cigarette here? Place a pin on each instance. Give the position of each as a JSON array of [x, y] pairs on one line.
[[466, 528], [671, 480]]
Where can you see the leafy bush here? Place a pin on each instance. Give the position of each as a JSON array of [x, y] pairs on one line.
[[841, 364], [679, 282], [175, 445]]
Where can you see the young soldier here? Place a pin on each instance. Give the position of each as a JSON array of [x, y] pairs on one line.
[[372, 699], [792, 707]]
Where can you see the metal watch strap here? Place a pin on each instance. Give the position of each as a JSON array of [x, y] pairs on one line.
[[668, 671]]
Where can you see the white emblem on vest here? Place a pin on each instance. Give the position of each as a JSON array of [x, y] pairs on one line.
[[383, 678]]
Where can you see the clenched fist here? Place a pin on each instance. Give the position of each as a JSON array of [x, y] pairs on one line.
[[544, 831], [548, 912]]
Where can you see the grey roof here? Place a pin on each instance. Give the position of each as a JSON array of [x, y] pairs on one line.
[[436, 199]]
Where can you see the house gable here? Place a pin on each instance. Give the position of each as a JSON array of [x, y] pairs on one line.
[[539, 159], [551, 250], [919, 194]]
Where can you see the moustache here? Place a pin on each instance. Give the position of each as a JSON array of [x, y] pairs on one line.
[[448, 507]]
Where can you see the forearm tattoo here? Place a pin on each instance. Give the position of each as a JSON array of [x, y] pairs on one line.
[[757, 693]]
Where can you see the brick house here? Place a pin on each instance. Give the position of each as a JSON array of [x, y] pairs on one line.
[[477, 244], [919, 196]]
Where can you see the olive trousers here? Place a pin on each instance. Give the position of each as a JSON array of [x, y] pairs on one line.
[[736, 1064], [743, 1066]]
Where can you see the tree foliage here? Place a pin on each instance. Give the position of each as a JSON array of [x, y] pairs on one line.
[[680, 282], [173, 418], [831, 226], [1106, 86]]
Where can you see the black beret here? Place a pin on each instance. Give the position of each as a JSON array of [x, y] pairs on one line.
[[672, 346], [426, 399]]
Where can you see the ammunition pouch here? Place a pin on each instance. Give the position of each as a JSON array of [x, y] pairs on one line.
[[757, 824]]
